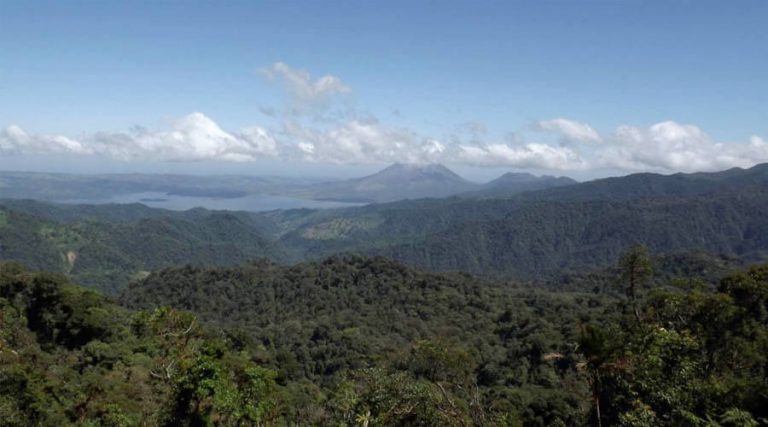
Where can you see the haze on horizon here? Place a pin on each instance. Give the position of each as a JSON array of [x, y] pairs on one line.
[[342, 89]]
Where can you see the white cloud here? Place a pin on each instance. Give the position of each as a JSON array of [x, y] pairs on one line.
[[673, 147], [663, 147], [570, 131], [360, 142], [15, 140], [524, 156], [193, 137], [305, 92]]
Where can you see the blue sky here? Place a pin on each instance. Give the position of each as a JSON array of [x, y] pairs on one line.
[[569, 87]]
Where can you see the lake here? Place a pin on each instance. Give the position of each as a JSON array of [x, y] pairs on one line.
[[250, 202]]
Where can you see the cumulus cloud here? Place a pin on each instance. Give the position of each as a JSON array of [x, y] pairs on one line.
[[360, 142], [15, 140], [523, 156], [663, 147], [193, 137], [570, 130], [670, 146], [306, 93]]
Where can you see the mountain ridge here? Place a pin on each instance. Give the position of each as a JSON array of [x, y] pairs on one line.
[[408, 181], [525, 236]]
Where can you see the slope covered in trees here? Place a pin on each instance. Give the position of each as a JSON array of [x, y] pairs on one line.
[[356, 341], [551, 237], [688, 357], [531, 354], [315, 321], [108, 251], [68, 356]]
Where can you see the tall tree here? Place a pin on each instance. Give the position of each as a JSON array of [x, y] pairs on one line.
[[636, 270]]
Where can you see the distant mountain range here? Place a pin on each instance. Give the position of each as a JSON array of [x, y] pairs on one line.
[[396, 182], [512, 183], [411, 181], [550, 231], [530, 235], [59, 187]]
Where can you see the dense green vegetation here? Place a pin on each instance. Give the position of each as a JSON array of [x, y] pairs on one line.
[[70, 357], [312, 322], [690, 357], [361, 341], [531, 354], [105, 251], [553, 231], [544, 238]]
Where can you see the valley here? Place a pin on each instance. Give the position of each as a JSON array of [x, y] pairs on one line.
[[532, 235]]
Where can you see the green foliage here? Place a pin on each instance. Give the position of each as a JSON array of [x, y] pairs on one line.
[[110, 250], [367, 342], [697, 356], [69, 356], [317, 322]]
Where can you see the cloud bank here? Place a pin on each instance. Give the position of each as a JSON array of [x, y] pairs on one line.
[[193, 137], [671, 146], [663, 147]]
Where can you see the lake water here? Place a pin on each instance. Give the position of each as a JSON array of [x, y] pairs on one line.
[[251, 202]]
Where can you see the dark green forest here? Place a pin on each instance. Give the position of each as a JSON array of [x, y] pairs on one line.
[[366, 341]]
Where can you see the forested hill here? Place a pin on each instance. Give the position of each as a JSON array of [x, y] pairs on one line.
[[315, 321], [113, 245], [354, 340], [532, 236], [642, 185], [547, 238], [538, 234], [69, 356], [503, 355]]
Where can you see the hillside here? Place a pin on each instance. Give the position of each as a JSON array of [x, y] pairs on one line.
[[111, 245], [315, 321], [641, 185], [69, 356], [577, 227], [546, 238], [354, 338], [531, 355]]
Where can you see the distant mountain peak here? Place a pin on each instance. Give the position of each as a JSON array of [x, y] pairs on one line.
[[524, 177], [516, 177], [398, 181], [425, 169], [517, 182]]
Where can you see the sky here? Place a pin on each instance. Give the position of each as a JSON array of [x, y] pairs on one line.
[[578, 88]]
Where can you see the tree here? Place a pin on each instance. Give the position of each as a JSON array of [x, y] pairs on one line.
[[636, 270]]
